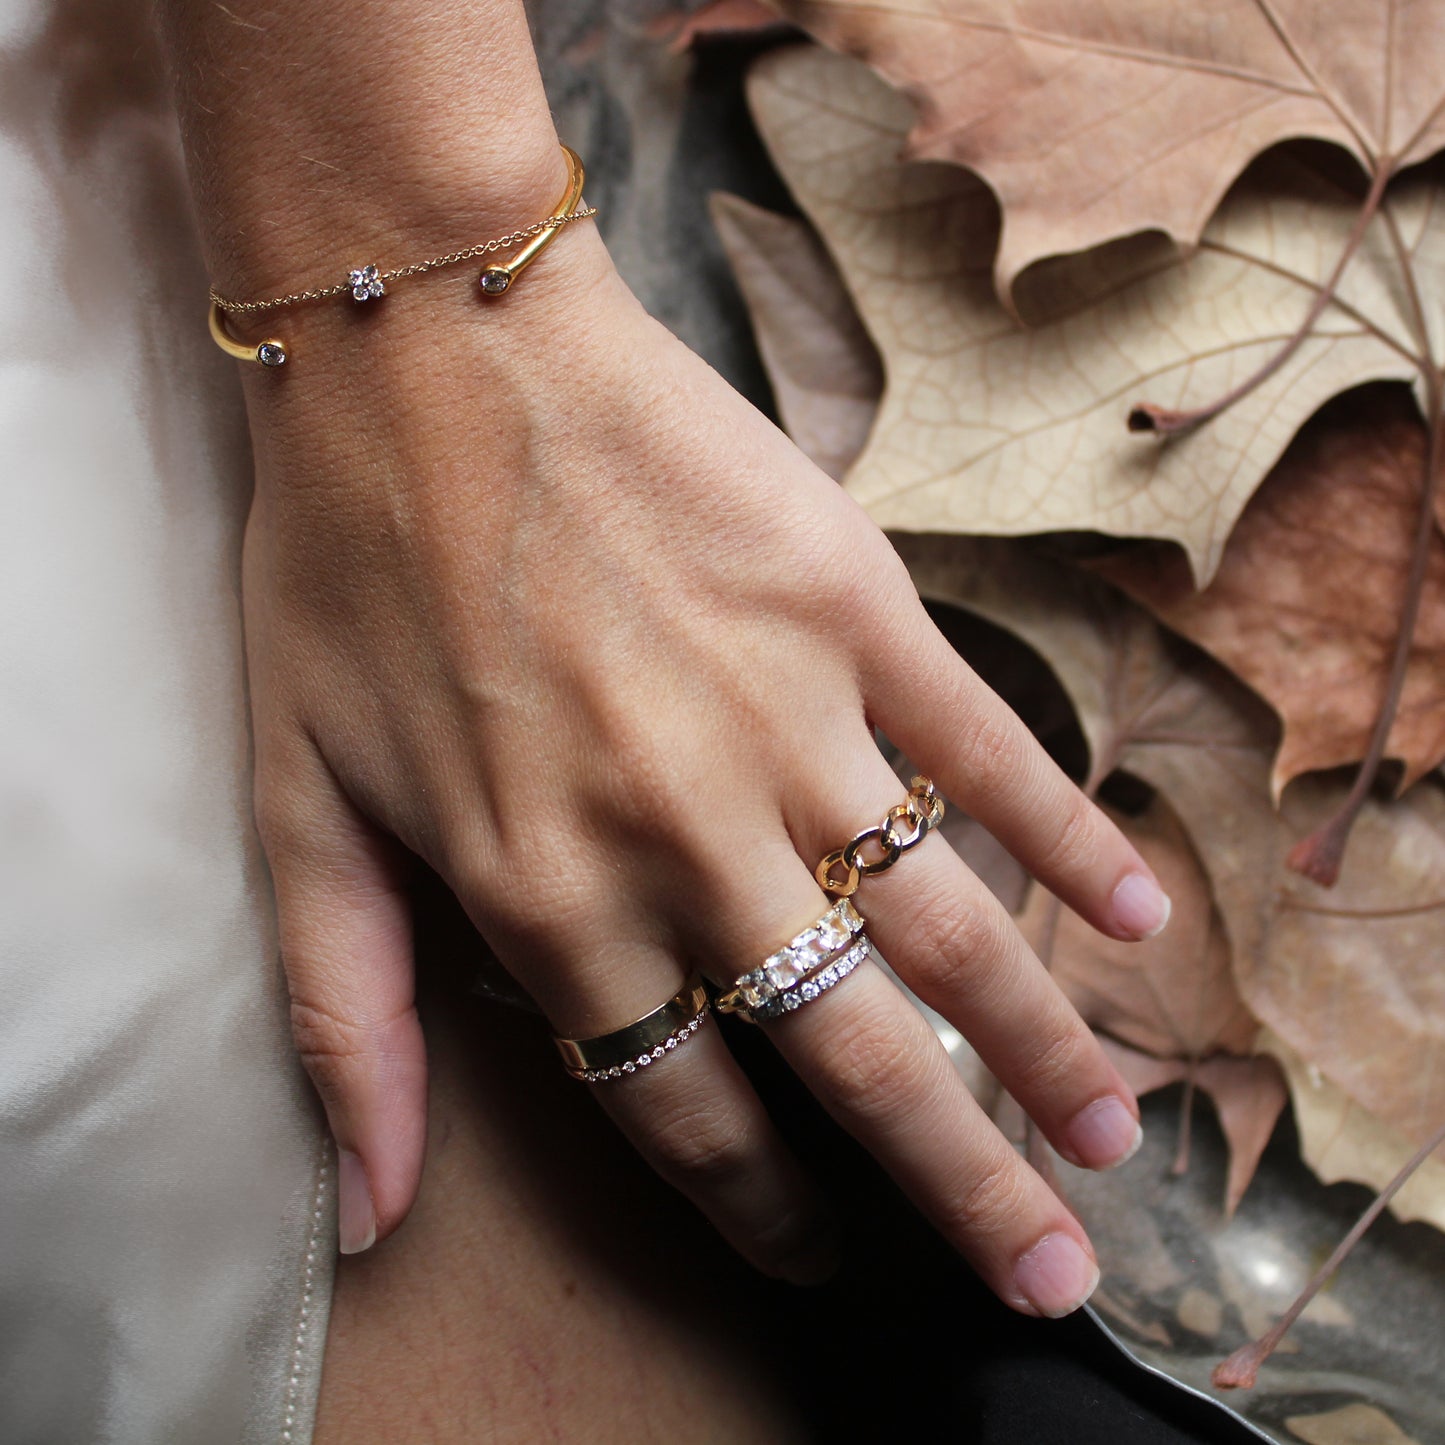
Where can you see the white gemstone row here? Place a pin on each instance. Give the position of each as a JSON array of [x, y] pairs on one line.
[[815, 984], [832, 933], [631, 1066]]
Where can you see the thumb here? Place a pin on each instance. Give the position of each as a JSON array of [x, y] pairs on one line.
[[346, 943]]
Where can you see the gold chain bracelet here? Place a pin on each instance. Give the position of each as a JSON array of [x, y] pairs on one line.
[[368, 282]]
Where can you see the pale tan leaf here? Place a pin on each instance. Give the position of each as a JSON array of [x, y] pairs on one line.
[[1354, 1424], [1351, 978], [1341, 1140], [825, 372], [987, 427], [1248, 1094], [1093, 121], [1172, 996], [1306, 603]]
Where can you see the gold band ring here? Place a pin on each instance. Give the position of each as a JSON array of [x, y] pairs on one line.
[[638, 1044]]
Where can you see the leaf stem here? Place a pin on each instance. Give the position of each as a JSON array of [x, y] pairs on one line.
[[1319, 855], [1166, 422], [1180, 1166], [1241, 1369]]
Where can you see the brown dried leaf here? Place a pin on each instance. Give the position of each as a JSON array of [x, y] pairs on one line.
[[1350, 978], [987, 427], [825, 372], [1248, 1094], [1172, 996], [1169, 1006], [1306, 603], [1341, 1140], [1101, 120]]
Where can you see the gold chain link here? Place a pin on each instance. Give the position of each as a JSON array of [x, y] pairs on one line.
[[922, 810], [452, 258]]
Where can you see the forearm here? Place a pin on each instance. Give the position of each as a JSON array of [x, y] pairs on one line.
[[323, 134]]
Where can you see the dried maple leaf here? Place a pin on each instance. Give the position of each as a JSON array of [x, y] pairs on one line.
[[825, 373], [1101, 120], [1172, 996], [1353, 1424], [1306, 603], [987, 427], [1169, 1006], [1353, 983], [1341, 1140], [1248, 1095]]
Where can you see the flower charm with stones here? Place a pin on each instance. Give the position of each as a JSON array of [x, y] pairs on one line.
[[366, 283]]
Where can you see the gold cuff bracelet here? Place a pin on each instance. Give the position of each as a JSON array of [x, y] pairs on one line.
[[366, 283]]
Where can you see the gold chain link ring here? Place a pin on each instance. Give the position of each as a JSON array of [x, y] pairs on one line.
[[922, 809]]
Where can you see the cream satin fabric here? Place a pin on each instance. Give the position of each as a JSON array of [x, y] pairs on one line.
[[163, 1183]]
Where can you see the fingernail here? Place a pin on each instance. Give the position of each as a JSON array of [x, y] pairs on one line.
[[355, 1213], [1104, 1134], [1141, 906], [1056, 1276]]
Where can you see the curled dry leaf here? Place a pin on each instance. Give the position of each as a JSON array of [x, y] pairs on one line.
[[1306, 603], [1172, 996], [987, 427], [825, 372], [1248, 1095], [1097, 121], [1341, 1140], [1339, 504], [1350, 979], [1169, 1007]]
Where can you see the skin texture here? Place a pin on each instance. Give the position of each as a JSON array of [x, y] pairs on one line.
[[532, 595]]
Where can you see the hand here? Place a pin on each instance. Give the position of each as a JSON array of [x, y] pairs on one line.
[[534, 595]]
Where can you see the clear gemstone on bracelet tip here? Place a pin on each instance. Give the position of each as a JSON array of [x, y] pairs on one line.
[[494, 280], [366, 283], [271, 353]]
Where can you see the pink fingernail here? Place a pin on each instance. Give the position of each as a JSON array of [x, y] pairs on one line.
[[1104, 1134], [1141, 906], [1056, 1276], [356, 1215]]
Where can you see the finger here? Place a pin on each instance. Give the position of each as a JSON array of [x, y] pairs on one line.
[[880, 1070], [697, 1120], [957, 948], [692, 1114], [346, 943], [944, 717]]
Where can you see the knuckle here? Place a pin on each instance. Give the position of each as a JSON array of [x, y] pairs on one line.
[[1058, 1058], [699, 1150], [996, 743], [1074, 848], [993, 1199], [949, 935], [875, 1072]]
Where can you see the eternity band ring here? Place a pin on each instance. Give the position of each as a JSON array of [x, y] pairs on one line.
[[640, 1043], [791, 976]]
